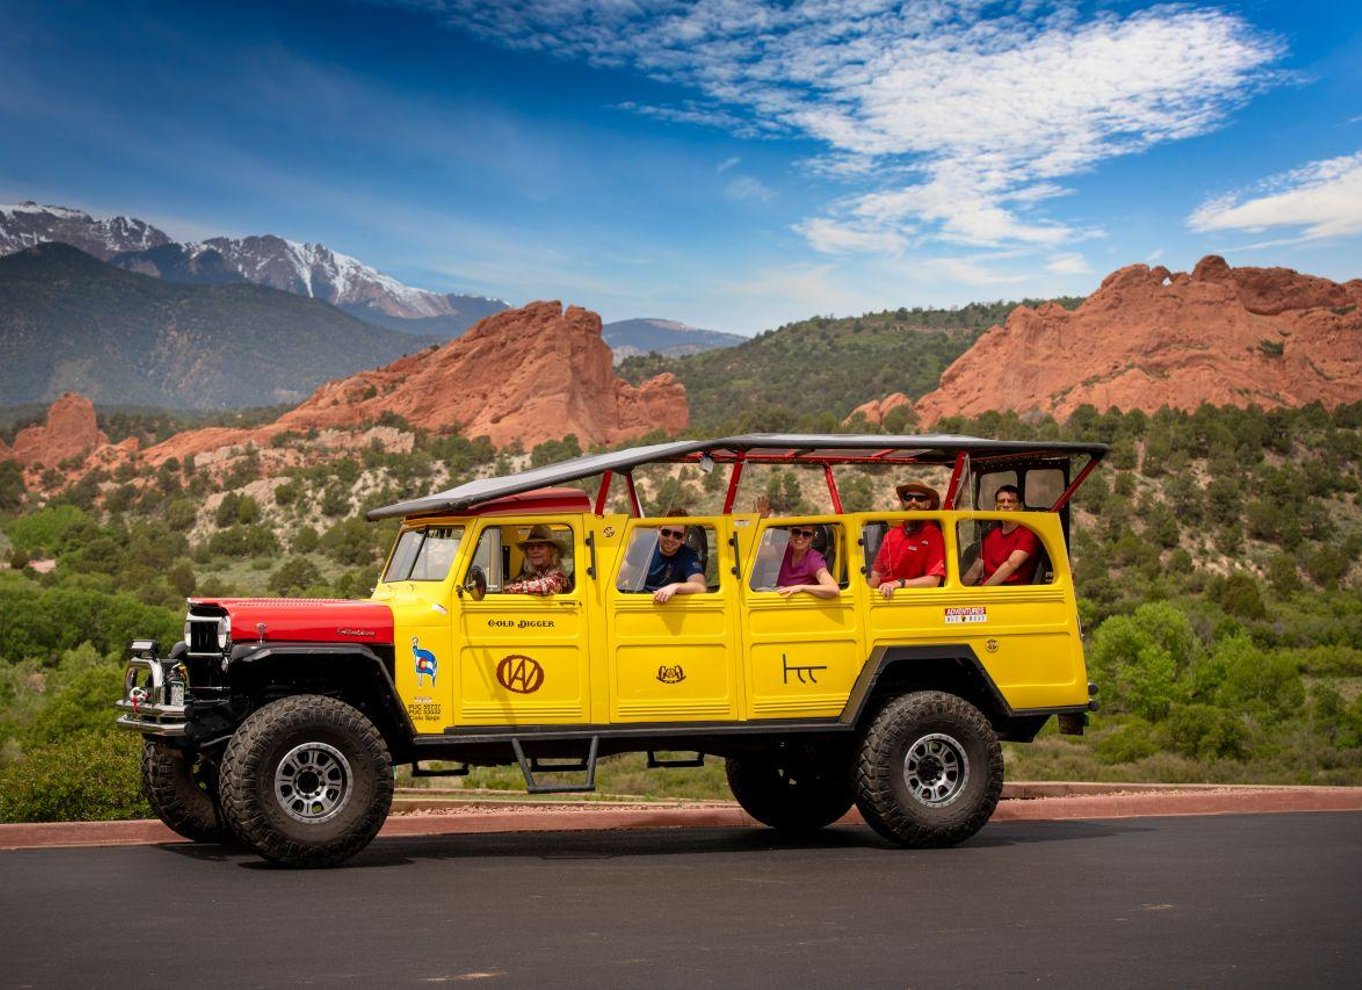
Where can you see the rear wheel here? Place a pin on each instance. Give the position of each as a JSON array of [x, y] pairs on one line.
[[306, 781], [930, 770], [792, 791], [182, 790]]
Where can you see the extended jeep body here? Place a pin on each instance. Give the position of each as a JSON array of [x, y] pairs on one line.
[[280, 721]]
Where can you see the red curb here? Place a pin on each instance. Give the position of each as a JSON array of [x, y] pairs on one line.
[[1132, 801]]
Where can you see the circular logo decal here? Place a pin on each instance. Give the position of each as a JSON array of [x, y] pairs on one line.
[[520, 674]]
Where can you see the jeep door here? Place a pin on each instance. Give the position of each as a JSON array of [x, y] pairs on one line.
[[523, 658], [674, 662], [803, 652]]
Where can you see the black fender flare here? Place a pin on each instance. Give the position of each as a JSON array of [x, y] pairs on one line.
[[357, 656], [953, 667]]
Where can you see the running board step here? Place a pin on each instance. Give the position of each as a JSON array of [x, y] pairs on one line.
[[419, 771], [698, 760], [530, 765]]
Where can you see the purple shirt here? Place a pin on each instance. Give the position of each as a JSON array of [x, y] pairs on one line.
[[805, 572]]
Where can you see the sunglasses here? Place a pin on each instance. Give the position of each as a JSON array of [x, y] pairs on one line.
[[805, 533], [672, 534], [915, 497]]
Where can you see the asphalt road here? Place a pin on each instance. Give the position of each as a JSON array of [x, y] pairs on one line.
[[1241, 900]]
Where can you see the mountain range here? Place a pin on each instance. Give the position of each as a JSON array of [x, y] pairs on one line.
[[629, 338], [311, 270], [69, 322]]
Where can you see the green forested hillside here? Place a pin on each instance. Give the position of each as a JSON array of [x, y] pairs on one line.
[[822, 368], [1216, 554]]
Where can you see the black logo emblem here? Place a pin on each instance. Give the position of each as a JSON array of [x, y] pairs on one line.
[[671, 675], [800, 671]]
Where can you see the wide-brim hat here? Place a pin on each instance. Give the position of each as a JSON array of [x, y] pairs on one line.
[[542, 534], [915, 486]]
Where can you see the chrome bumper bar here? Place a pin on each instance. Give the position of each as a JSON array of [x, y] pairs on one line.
[[153, 702]]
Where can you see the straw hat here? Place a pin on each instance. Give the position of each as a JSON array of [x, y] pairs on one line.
[[928, 490], [542, 534]]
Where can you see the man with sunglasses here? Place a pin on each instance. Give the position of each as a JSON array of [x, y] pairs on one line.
[[912, 555], [673, 568]]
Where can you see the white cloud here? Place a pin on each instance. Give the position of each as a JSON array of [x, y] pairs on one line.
[[726, 164], [747, 188], [1069, 264], [1323, 199], [831, 237], [990, 104], [969, 272]]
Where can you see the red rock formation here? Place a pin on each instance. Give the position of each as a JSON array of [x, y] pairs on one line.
[[529, 374], [1148, 338], [875, 410], [70, 431]]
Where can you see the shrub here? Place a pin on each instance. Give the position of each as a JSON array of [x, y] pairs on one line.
[[1205, 732], [1131, 742], [90, 776], [294, 577], [82, 707]]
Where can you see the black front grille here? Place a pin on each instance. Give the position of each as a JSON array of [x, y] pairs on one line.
[[203, 633]]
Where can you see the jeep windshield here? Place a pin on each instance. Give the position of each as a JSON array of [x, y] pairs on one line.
[[424, 554]]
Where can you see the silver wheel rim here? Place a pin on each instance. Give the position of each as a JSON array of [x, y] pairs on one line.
[[936, 769], [312, 782]]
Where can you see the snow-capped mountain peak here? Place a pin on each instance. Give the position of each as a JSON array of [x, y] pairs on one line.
[[303, 268]]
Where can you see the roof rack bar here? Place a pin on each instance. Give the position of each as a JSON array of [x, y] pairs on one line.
[[957, 475], [603, 492], [833, 494], [733, 479], [1073, 485], [634, 503]]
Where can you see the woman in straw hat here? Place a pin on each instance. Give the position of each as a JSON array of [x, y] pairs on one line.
[[542, 573]]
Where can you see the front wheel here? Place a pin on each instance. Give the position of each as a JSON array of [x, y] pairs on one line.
[[793, 791], [182, 790], [930, 770], [306, 781]]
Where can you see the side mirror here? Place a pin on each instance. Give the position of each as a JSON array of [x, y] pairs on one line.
[[476, 583]]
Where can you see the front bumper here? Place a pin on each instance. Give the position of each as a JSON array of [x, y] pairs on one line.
[[154, 694]]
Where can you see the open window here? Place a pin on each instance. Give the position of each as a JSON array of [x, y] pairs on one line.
[[504, 554], [987, 544], [667, 552], [828, 541], [908, 555]]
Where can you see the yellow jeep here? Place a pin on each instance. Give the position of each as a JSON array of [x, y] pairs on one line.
[[281, 720]]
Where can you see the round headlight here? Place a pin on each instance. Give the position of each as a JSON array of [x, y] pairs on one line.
[[224, 631]]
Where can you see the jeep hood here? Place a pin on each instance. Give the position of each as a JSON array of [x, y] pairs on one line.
[[296, 620]]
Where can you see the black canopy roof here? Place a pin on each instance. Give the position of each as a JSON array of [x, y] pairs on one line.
[[770, 448]]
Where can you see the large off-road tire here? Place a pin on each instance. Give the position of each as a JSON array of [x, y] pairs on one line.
[[182, 790], [793, 791], [930, 770], [306, 781]]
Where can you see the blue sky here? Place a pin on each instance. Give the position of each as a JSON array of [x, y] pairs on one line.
[[729, 163]]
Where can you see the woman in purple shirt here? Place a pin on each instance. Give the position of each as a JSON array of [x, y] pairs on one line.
[[803, 568]]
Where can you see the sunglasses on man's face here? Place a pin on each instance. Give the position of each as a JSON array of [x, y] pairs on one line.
[[805, 533], [915, 497], [672, 534]]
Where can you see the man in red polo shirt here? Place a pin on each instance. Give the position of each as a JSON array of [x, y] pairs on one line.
[[1010, 552], [912, 555]]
